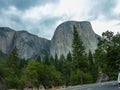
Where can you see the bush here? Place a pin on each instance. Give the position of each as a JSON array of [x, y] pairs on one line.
[[87, 78]]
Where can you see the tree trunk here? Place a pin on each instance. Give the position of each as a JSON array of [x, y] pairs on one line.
[[81, 78]]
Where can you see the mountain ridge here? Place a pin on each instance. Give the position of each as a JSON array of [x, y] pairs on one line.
[[63, 45], [23, 41], [30, 45]]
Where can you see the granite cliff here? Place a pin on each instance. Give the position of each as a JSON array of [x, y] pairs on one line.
[[61, 42], [30, 46]]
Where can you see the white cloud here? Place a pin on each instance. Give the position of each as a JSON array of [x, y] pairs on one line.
[[66, 10], [37, 13], [33, 18], [71, 7], [117, 8], [102, 26]]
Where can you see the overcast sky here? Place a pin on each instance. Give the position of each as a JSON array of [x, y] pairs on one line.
[[41, 17]]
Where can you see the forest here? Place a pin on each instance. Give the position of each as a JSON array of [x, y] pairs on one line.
[[77, 68]]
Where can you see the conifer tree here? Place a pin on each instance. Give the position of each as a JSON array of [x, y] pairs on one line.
[[12, 60], [52, 61], [90, 58], [39, 59], [69, 57], [56, 61], [13, 73], [78, 48], [46, 60], [78, 52]]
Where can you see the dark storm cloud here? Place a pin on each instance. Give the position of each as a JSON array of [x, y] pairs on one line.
[[12, 12], [41, 17], [24, 4]]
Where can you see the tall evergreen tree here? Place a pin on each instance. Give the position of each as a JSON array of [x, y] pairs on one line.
[[13, 72], [78, 48], [78, 52], [69, 65], [52, 61], [39, 59], [90, 58], [12, 60], [69, 57], [60, 62], [92, 67], [56, 61], [46, 60]]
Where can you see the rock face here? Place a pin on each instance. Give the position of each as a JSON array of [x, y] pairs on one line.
[[61, 42], [28, 45]]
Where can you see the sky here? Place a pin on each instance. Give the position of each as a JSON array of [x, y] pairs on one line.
[[41, 17]]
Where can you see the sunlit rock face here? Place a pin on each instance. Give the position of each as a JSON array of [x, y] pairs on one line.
[[61, 42], [29, 46]]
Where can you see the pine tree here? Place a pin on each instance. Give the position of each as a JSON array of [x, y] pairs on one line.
[[12, 60], [69, 57], [52, 61], [56, 61], [90, 58], [12, 67], [78, 52], [46, 60], [92, 67], [78, 48], [39, 59]]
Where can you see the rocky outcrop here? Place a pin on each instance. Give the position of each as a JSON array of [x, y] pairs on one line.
[[102, 77], [61, 42], [29, 46]]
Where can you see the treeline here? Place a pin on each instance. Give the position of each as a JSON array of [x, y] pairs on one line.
[[76, 68], [107, 54], [48, 72]]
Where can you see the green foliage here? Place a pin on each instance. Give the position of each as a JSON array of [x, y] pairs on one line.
[[66, 70], [75, 77], [31, 73], [39, 59], [12, 71], [2, 70], [78, 48], [87, 78], [52, 77], [22, 63], [46, 60], [52, 60], [76, 68], [56, 61], [90, 58], [12, 60], [107, 54], [37, 73], [93, 71], [3, 57], [78, 53], [69, 57]]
